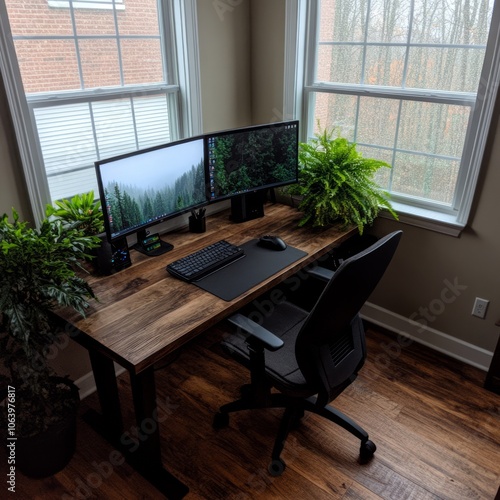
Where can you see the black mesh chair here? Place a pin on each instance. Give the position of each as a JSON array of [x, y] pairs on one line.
[[310, 356]]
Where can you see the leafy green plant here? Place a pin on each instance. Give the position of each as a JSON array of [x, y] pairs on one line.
[[39, 273], [81, 211], [336, 183]]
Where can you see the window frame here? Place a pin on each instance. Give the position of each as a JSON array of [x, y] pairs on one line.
[[301, 41], [87, 4], [180, 30]]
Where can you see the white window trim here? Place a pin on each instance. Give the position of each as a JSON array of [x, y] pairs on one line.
[[188, 66], [88, 4], [190, 122], [31, 157], [296, 102]]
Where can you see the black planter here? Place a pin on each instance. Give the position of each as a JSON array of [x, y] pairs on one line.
[[45, 454], [49, 451]]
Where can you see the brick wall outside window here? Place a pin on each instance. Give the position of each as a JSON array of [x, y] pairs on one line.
[[51, 64]]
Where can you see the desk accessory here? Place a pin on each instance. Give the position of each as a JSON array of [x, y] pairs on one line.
[[198, 221], [151, 244]]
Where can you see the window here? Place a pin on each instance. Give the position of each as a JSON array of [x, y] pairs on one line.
[[86, 84], [405, 81], [88, 4]]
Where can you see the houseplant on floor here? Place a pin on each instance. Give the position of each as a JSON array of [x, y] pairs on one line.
[[39, 273], [336, 183]]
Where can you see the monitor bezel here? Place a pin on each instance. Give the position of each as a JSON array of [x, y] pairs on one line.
[[249, 129], [142, 227]]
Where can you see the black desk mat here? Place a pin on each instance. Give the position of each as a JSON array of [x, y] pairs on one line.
[[257, 265]]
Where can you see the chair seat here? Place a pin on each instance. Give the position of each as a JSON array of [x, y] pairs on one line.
[[282, 369]]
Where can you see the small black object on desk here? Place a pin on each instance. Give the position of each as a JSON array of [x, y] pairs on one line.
[[198, 221], [151, 244]]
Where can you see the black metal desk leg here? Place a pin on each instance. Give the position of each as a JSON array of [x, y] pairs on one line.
[[110, 422], [147, 457]]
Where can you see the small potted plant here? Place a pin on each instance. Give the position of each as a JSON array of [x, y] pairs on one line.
[[84, 213], [336, 183], [39, 273], [81, 211]]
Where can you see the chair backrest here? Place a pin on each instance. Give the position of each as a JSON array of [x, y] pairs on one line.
[[330, 347]]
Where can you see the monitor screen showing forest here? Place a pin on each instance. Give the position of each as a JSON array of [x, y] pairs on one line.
[[251, 159], [149, 186]]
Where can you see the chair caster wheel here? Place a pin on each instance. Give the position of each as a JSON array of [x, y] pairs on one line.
[[276, 467], [221, 420], [366, 451]]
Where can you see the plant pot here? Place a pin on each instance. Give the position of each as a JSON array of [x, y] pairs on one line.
[[49, 452], [285, 198], [295, 200]]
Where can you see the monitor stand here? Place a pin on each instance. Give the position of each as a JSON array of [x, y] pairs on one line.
[[248, 206], [151, 244]]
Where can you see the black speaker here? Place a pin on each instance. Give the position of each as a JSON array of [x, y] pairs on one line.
[[248, 206], [112, 257]]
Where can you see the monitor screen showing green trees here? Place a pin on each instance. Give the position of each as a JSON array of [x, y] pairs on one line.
[[250, 159]]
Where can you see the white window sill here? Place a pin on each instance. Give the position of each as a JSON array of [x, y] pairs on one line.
[[425, 218]]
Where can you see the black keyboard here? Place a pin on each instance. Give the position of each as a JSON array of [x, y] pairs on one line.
[[205, 261]]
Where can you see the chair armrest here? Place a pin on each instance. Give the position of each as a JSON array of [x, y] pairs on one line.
[[321, 273], [268, 339]]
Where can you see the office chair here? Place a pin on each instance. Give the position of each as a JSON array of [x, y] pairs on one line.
[[309, 357]]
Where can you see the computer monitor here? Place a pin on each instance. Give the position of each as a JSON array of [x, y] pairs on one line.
[[149, 186], [244, 163]]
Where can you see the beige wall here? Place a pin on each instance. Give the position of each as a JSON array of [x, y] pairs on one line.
[[242, 83], [267, 57], [426, 259], [224, 36], [13, 193]]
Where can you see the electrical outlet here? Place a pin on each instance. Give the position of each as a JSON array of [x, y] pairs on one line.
[[480, 306]]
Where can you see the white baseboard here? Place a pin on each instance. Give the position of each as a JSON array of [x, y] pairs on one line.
[[86, 383], [439, 341]]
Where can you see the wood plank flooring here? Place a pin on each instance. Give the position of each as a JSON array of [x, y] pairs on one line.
[[437, 432]]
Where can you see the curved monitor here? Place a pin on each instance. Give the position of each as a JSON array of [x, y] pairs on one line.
[[149, 186], [251, 159]]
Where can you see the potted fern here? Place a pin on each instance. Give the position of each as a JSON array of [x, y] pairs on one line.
[[336, 183], [39, 273]]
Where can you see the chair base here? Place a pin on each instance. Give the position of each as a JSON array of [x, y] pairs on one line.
[[294, 411]]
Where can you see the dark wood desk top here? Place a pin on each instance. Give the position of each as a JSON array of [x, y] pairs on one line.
[[143, 313]]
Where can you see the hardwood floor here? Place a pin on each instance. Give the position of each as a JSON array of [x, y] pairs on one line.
[[437, 432]]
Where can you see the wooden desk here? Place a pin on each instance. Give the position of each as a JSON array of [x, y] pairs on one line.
[[144, 314]]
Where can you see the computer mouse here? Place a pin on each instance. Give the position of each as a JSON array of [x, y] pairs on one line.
[[272, 242]]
